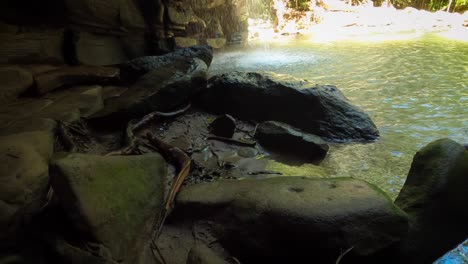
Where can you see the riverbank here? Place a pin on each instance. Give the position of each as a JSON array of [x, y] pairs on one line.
[[361, 23]]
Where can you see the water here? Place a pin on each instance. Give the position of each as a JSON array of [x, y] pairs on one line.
[[415, 91]]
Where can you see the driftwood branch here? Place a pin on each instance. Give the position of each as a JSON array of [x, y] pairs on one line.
[[155, 115]]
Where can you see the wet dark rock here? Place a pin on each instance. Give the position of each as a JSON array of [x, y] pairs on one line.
[[161, 89], [201, 254], [112, 199], [288, 140], [67, 76], [289, 219], [13, 82], [223, 126], [135, 68], [434, 196], [24, 177], [318, 109]]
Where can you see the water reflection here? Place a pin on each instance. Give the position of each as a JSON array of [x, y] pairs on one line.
[[415, 91]]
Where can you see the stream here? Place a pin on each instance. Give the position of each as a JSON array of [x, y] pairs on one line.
[[416, 91]]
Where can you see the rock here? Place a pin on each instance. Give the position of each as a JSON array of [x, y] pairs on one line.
[[182, 42], [223, 126], [138, 67], [28, 125], [289, 219], [24, 180], [51, 80], [97, 13], [131, 16], [66, 105], [201, 254], [434, 196], [286, 139], [216, 43], [29, 47], [180, 13], [206, 4], [73, 103], [94, 49], [162, 89], [318, 109], [13, 82], [113, 199]]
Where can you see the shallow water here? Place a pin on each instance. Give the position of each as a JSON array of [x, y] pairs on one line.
[[415, 91]]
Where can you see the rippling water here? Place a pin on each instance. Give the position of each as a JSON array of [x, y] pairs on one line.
[[416, 91]]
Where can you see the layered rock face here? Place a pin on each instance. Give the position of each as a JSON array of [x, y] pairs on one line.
[[110, 32]]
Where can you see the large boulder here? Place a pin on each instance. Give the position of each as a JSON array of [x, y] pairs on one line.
[[114, 200], [318, 109], [434, 196], [24, 177], [286, 139], [13, 82], [289, 219], [161, 89], [135, 68]]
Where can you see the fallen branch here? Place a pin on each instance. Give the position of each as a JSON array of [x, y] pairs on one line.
[[155, 115], [343, 254], [182, 162]]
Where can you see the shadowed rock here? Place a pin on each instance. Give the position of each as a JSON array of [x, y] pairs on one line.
[[114, 200], [285, 139], [319, 109], [24, 177], [434, 196], [289, 219], [135, 68]]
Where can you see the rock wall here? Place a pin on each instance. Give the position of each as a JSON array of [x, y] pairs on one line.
[[104, 32]]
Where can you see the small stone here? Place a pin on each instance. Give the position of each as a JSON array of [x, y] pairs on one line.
[[284, 138], [223, 126]]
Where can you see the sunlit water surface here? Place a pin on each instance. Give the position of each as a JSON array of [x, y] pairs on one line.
[[415, 91]]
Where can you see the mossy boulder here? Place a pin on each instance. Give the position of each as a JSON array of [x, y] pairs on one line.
[[112, 199], [289, 219], [434, 196], [24, 177]]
